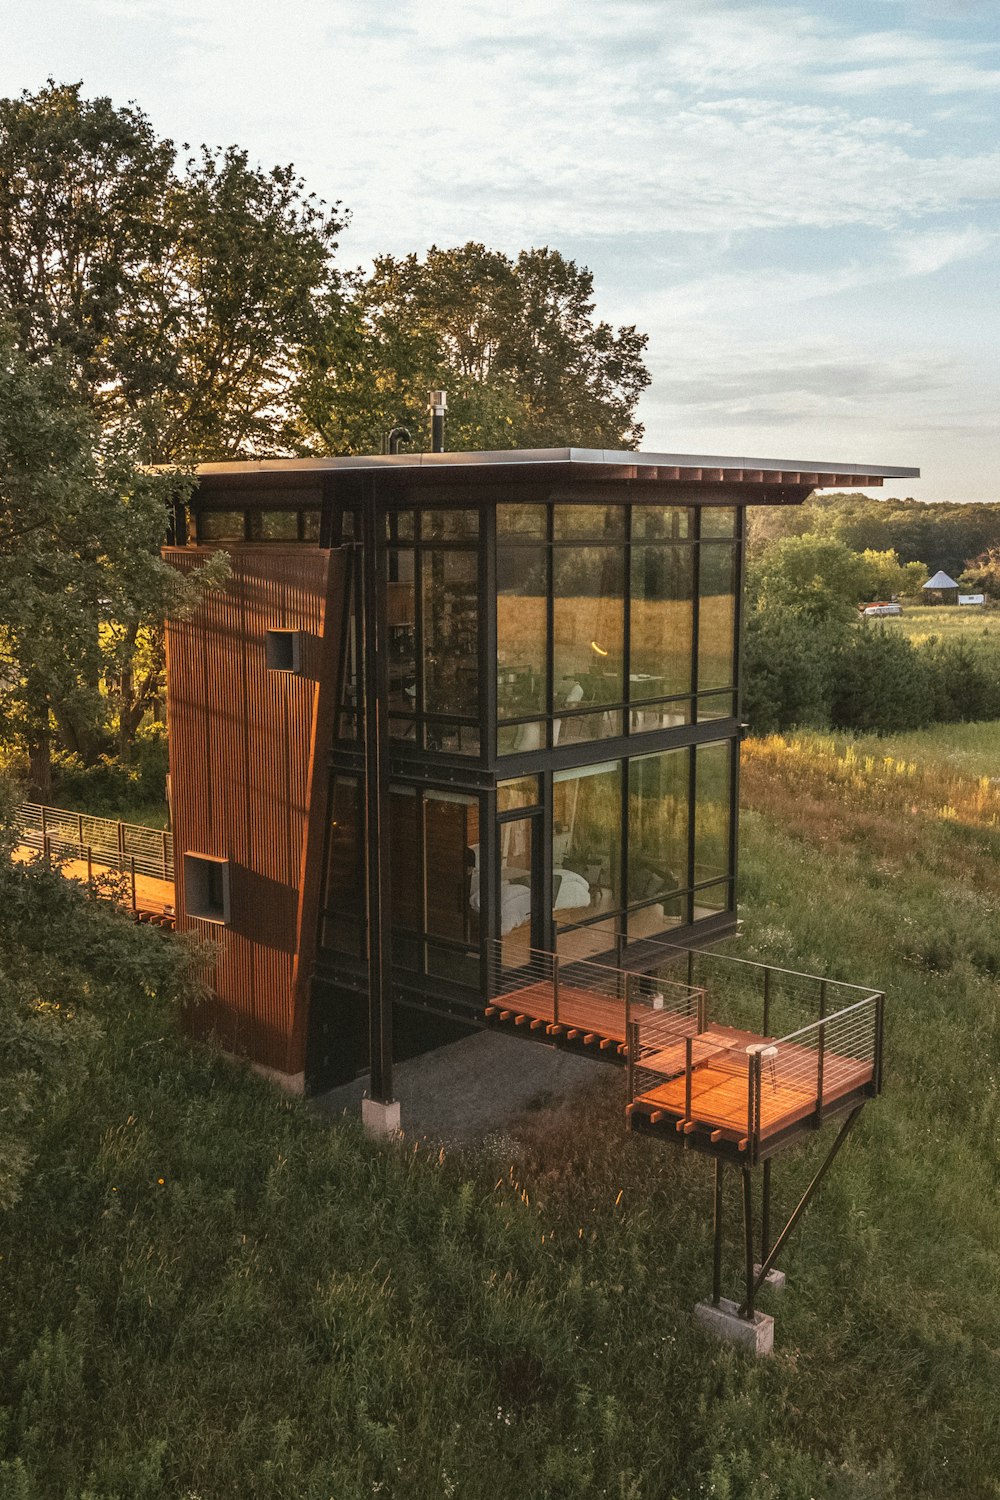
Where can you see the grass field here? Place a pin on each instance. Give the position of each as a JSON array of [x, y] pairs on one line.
[[206, 1293], [979, 626]]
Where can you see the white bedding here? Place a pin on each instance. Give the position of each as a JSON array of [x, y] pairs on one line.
[[571, 890]]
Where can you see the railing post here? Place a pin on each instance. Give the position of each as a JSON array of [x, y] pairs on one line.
[[555, 989], [687, 1077], [79, 829], [121, 845], [164, 854], [766, 1027], [877, 1059], [820, 1059], [44, 832], [90, 865], [132, 864], [631, 1056], [702, 1010]]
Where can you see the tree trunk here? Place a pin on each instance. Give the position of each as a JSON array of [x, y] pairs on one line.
[[40, 769]]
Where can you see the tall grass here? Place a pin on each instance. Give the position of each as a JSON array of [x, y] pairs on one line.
[[206, 1292]]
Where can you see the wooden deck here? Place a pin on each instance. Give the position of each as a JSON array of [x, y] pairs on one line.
[[154, 899], [716, 1104], [581, 1015], [720, 1085]]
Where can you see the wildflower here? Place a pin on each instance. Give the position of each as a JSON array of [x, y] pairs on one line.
[[160, 1180]]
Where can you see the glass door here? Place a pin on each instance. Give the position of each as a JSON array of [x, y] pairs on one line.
[[519, 887]]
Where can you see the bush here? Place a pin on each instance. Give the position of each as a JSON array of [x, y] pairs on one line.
[[880, 683], [112, 787]]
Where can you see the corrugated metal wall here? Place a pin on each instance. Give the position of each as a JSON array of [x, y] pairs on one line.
[[248, 773]]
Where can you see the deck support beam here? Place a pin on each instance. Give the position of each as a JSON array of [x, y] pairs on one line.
[[754, 1285], [717, 1236]]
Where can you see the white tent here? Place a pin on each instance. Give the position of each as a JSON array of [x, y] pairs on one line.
[[940, 581]]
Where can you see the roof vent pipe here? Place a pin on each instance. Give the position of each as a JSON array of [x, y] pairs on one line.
[[397, 435], [438, 405]]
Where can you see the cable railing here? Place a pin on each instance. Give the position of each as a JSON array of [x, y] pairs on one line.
[[574, 998], [103, 843]]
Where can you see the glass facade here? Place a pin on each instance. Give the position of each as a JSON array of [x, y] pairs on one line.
[[613, 620], [613, 623]]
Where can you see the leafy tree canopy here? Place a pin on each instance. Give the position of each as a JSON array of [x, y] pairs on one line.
[[513, 341], [179, 295]]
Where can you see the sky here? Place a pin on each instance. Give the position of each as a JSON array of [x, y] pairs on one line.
[[797, 202]]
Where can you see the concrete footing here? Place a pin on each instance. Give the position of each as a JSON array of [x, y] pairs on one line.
[[380, 1120], [774, 1281], [724, 1322]]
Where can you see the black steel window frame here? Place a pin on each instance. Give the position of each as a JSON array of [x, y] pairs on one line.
[[692, 699], [251, 523]]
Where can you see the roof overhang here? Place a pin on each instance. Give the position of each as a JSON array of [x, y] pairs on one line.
[[579, 463]]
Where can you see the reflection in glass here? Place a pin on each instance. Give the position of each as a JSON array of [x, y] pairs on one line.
[[512, 739], [662, 621], [716, 616], [400, 526], [516, 841], [522, 611], [451, 634], [713, 790], [220, 525], [588, 628], [344, 894], [586, 842], [659, 523], [712, 899], [576, 523], [310, 525], [522, 521], [522, 791], [274, 525], [448, 525], [404, 858], [658, 789], [715, 706], [451, 858], [401, 620], [578, 727], [445, 734], [718, 520]]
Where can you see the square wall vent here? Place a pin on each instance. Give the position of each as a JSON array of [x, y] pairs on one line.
[[283, 648]]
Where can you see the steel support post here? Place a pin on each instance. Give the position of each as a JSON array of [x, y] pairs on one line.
[[747, 1310], [717, 1235], [376, 729]]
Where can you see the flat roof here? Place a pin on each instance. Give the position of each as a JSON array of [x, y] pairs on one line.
[[598, 462]]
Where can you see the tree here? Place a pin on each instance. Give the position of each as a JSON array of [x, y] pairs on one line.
[[514, 342], [884, 576], [814, 576], [80, 569], [177, 299], [982, 576]]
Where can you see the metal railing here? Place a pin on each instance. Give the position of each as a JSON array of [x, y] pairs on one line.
[[105, 843], [578, 995], [791, 1078]]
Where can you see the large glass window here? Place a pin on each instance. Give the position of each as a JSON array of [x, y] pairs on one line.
[[451, 632], [716, 616], [713, 806], [658, 797], [662, 621], [588, 628], [586, 842], [522, 614], [434, 854]]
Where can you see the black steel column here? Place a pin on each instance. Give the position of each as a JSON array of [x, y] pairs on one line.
[[376, 731], [717, 1235], [747, 1310]]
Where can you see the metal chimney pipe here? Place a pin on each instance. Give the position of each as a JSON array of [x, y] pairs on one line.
[[398, 435], [438, 405]]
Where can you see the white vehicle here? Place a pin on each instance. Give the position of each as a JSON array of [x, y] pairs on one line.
[[871, 611]]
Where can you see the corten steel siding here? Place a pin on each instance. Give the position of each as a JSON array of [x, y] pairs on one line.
[[248, 752]]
